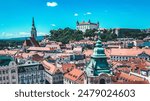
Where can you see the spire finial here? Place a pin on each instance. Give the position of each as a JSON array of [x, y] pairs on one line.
[[99, 37], [32, 21], [89, 21]]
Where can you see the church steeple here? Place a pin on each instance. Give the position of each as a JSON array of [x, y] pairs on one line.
[[33, 21], [33, 30]]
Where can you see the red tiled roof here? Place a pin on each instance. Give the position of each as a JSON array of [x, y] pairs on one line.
[[31, 42], [34, 42], [68, 67], [128, 52], [27, 43], [130, 78], [51, 67], [75, 75], [8, 52], [36, 57], [24, 55], [40, 49]]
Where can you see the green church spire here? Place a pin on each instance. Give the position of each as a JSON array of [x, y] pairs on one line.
[[98, 63], [98, 50]]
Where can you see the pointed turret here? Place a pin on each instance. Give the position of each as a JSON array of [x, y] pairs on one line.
[[77, 22], [98, 22], [89, 21], [33, 30], [33, 21]]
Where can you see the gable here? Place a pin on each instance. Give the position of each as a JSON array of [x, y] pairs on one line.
[[143, 54]]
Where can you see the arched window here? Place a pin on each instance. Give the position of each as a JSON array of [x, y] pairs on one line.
[[102, 81]]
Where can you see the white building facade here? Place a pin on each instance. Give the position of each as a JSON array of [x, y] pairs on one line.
[[83, 26], [8, 72], [31, 73]]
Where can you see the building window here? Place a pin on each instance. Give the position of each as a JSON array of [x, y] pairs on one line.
[[13, 77], [13, 71], [4, 78], [3, 72], [7, 78], [13, 82], [7, 71], [0, 72], [0, 78]]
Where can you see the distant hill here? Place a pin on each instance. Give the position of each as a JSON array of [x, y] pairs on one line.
[[39, 38]]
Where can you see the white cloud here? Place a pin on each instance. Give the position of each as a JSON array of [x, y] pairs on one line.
[[24, 34], [88, 13], [53, 25], [41, 33], [76, 14], [52, 4], [7, 35]]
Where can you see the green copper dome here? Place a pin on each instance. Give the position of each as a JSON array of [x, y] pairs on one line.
[[98, 63], [98, 50]]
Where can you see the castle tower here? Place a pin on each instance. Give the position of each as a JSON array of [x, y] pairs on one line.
[[33, 30], [98, 70]]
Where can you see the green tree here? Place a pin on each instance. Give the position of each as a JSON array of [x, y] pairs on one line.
[[66, 35]]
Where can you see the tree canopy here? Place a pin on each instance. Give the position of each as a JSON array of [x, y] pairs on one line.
[[66, 35]]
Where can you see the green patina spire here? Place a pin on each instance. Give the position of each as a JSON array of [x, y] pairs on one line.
[[98, 50], [98, 63]]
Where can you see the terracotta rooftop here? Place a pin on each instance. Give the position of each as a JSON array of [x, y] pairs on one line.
[[40, 49], [27, 43], [34, 42], [75, 75], [130, 78], [31, 42], [23, 55], [8, 52], [51, 67], [37, 57], [128, 52], [68, 67]]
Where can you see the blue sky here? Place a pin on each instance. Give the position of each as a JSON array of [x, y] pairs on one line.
[[16, 15]]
